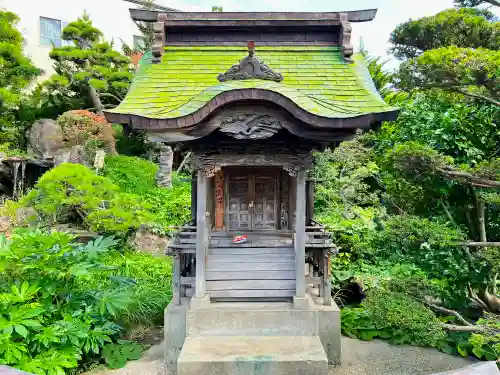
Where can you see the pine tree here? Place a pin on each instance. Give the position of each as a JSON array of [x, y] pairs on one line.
[[16, 72], [90, 67]]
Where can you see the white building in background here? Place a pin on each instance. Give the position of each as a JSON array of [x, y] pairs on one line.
[[42, 22]]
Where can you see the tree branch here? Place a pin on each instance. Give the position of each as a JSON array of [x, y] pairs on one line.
[[454, 328], [493, 2], [475, 298], [448, 311], [471, 179], [478, 96], [111, 96], [480, 208], [480, 244], [186, 158], [447, 211]]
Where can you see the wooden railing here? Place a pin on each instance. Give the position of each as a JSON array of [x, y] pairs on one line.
[[182, 248], [319, 248]]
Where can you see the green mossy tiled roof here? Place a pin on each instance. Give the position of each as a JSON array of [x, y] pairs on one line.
[[315, 78]]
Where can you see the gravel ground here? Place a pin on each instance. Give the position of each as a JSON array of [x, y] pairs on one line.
[[358, 358]]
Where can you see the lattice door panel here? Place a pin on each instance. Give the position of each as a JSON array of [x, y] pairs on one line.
[[265, 209], [238, 214]]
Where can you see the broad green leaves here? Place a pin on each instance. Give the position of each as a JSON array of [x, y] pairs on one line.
[[116, 355], [54, 315]]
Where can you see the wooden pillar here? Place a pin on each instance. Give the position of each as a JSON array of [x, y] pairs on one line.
[[219, 200], [327, 283], [321, 268], [194, 185], [309, 201], [201, 232], [177, 280], [300, 235]]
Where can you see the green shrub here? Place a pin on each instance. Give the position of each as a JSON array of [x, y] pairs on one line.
[[152, 277], [50, 315], [137, 176], [393, 316], [430, 245], [133, 175], [135, 144], [73, 194], [486, 344], [117, 355], [409, 320], [84, 128]]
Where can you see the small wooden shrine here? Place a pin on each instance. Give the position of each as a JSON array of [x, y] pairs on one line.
[[251, 96]]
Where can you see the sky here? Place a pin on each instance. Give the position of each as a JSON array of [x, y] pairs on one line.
[[375, 34]]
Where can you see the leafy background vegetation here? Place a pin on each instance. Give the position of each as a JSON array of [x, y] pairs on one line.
[[413, 208]]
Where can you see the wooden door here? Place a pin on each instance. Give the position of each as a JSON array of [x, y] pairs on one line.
[[264, 216], [251, 202], [238, 198]]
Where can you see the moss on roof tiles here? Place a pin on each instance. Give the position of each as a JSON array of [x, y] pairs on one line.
[[315, 78]]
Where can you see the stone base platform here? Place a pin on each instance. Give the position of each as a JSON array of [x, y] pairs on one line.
[[192, 323], [252, 355]]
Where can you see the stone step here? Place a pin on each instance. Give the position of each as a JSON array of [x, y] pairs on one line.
[[251, 319], [247, 355]]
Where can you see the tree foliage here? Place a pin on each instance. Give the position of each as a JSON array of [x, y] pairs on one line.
[[466, 131], [463, 28], [16, 72], [476, 3], [89, 68], [73, 194], [456, 50], [472, 72]]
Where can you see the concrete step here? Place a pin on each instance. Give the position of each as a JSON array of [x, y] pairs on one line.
[[247, 355], [251, 319]]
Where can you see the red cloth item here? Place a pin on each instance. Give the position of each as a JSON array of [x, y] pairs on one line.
[[240, 239]]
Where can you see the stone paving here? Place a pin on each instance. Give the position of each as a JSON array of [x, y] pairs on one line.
[[358, 358]]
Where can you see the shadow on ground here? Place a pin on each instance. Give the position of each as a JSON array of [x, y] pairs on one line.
[[358, 358]]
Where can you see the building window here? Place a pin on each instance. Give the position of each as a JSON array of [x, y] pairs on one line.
[[51, 31]]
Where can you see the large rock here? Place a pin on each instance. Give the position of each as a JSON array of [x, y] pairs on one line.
[[148, 242], [82, 235], [45, 139]]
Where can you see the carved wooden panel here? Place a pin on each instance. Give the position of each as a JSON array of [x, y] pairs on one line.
[[250, 126], [346, 30], [250, 67], [264, 210], [238, 210], [219, 200], [284, 197], [158, 47], [289, 162]]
